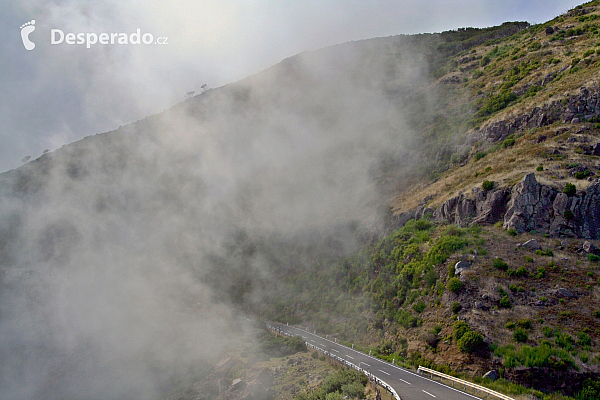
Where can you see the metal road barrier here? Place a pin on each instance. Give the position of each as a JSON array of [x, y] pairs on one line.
[[347, 363], [464, 383]]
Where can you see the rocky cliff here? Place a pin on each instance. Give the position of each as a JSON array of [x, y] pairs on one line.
[[575, 108], [526, 207]]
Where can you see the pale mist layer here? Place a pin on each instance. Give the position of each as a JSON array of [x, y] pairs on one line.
[[133, 257]]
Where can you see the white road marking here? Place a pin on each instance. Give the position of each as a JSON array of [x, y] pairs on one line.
[[335, 350], [366, 364], [312, 341], [405, 381], [383, 371], [350, 357], [428, 393]]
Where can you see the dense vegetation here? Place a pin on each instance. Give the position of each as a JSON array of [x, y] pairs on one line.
[[344, 384]]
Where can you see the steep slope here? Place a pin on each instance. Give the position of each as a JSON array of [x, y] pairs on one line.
[[129, 255]]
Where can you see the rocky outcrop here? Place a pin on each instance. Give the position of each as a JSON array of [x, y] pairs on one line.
[[588, 218], [576, 108], [528, 207], [483, 207]]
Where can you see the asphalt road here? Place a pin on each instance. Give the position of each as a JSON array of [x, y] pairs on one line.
[[409, 385]]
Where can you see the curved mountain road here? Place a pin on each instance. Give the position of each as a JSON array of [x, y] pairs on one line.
[[408, 385]]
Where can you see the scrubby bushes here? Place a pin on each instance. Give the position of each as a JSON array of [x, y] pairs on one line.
[[467, 340], [540, 356], [500, 264], [470, 342], [570, 189], [488, 185], [455, 285], [520, 335], [278, 346], [345, 383]]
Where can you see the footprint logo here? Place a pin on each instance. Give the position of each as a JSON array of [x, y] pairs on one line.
[[26, 29]]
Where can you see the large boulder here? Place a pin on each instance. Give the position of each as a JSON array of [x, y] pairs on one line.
[[490, 205], [566, 213], [493, 375], [461, 266], [531, 244], [589, 218], [530, 206], [458, 210]]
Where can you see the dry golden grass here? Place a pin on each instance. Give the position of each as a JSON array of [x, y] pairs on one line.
[[509, 165]]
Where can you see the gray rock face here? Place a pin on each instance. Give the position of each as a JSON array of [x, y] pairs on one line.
[[531, 244], [589, 248], [579, 107], [589, 217], [493, 375], [562, 226], [484, 207], [564, 293], [461, 266], [457, 210], [530, 206]]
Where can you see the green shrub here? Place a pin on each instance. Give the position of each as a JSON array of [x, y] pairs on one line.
[[488, 185], [423, 224], [505, 302], [583, 339], [564, 340], [500, 264], [597, 314], [455, 307], [589, 391], [455, 285], [479, 155], [547, 252], [593, 257], [520, 335], [524, 323], [470, 341], [540, 168], [497, 102], [419, 306], [547, 331], [570, 189], [508, 142], [521, 272], [531, 357], [582, 174], [459, 329], [510, 325], [541, 273], [512, 232]]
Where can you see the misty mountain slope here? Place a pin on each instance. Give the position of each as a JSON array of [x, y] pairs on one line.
[[519, 140], [129, 256], [123, 254]]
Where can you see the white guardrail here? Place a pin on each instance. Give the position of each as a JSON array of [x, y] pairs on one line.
[[347, 363], [464, 383]]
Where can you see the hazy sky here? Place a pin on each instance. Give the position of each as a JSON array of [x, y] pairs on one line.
[[56, 94]]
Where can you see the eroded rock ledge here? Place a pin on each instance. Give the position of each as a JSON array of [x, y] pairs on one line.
[[576, 108], [527, 207]]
